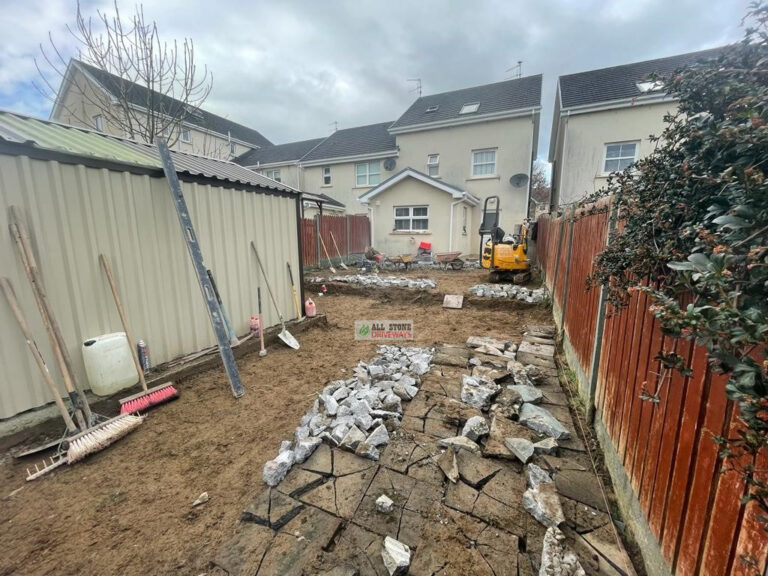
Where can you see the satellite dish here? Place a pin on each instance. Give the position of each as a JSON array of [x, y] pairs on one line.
[[519, 180], [389, 164]]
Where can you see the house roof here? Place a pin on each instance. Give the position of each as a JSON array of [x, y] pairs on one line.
[[493, 99], [44, 136], [358, 141], [323, 199], [620, 82], [456, 193], [139, 96], [292, 151]]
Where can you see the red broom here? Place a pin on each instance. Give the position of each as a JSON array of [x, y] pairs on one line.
[[149, 396]]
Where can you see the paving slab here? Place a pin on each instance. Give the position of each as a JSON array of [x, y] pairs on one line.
[[419, 406], [460, 496], [299, 481], [243, 553], [321, 461], [426, 471], [497, 514], [411, 526], [443, 359], [348, 463], [555, 463], [413, 423], [396, 456], [507, 486], [258, 510], [501, 428], [500, 563], [323, 497], [368, 517], [580, 486], [474, 470], [439, 428], [282, 509], [350, 490], [457, 412], [358, 549], [423, 498], [395, 485], [581, 517]]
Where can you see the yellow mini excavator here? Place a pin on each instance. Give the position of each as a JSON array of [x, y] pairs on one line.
[[505, 256]]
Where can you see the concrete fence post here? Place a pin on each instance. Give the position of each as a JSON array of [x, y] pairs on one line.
[[318, 223], [346, 224], [557, 260], [597, 346], [569, 223]]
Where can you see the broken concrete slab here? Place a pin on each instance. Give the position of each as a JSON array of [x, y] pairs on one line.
[[537, 475], [520, 447], [475, 470], [272, 508], [542, 421], [258, 510], [501, 428], [299, 481], [506, 486], [461, 497], [352, 438], [350, 490], [475, 428], [243, 554], [557, 559], [448, 464], [396, 556], [275, 470], [581, 517], [378, 437], [543, 504], [439, 428], [546, 446], [477, 392], [321, 461], [305, 447], [478, 341], [346, 463], [365, 450], [423, 498], [460, 443], [497, 514], [527, 393]]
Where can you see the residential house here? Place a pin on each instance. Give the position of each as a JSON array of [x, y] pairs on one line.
[[423, 177], [603, 121], [86, 92]]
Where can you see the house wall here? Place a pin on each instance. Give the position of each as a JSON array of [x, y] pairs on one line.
[[343, 184], [290, 174], [412, 192], [81, 102], [581, 145], [515, 149], [74, 213]]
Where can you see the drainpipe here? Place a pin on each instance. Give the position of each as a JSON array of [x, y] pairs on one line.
[[530, 168], [370, 217], [450, 237]]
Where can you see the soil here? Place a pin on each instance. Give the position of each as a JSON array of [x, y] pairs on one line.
[[128, 509]]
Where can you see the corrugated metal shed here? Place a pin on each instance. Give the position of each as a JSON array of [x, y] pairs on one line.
[[77, 208], [52, 136]]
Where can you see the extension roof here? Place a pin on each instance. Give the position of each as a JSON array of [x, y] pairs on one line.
[[290, 152]]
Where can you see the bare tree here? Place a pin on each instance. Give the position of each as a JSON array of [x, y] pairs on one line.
[[540, 186], [155, 86]]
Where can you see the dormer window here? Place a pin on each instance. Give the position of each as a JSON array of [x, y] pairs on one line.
[[433, 108], [469, 108]]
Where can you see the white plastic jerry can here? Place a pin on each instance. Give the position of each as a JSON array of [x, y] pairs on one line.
[[109, 364]]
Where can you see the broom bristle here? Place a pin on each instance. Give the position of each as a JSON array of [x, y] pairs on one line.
[[102, 437], [151, 398]]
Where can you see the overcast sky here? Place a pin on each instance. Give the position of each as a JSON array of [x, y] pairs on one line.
[[291, 69]]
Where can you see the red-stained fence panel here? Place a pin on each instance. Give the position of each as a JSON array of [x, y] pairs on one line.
[[308, 243]]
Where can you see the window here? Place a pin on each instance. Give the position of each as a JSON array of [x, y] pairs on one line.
[[98, 121], [326, 175], [273, 174], [367, 173], [433, 108], [618, 156], [469, 108], [185, 135], [483, 162], [433, 165], [411, 218]]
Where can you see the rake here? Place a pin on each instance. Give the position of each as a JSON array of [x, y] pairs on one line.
[[338, 252], [149, 396]]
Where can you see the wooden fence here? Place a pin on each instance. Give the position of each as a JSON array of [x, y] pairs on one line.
[[656, 427], [350, 233]]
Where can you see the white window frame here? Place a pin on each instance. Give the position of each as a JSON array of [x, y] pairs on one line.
[[475, 164], [273, 174], [603, 170], [98, 122], [188, 137], [326, 175], [410, 217], [433, 161], [369, 175]]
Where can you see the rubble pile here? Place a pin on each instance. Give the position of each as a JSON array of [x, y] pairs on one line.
[[357, 414], [377, 281], [511, 291]]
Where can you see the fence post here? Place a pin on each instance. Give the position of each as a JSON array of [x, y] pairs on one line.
[[346, 224], [317, 239], [557, 261], [597, 346], [569, 223]]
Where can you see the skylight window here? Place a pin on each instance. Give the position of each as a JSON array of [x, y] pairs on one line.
[[469, 108], [650, 85], [433, 108]]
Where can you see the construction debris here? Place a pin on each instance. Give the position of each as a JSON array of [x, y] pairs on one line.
[[396, 556], [384, 504], [557, 559], [510, 291], [475, 428], [378, 281], [542, 421]]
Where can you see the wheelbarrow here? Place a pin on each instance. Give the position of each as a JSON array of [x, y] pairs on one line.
[[405, 259], [449, 259]]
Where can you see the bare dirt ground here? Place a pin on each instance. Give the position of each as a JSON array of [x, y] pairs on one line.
[[127, 510]]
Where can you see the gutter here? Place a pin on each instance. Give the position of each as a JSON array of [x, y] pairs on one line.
[[462, 121], [353, 158], [623, 103]]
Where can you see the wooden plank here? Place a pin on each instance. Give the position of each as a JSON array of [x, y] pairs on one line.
[[631, 374], [723, 523], [751, 555], [619, 320], [701, 490], [668, 446], [684, 459], [623, 369]]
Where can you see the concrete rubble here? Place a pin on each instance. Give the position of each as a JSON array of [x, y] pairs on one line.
[[356, 414], [416, 472], [377, 281], [511, 291]]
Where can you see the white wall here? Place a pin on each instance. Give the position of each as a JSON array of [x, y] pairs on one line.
[[74, 212]]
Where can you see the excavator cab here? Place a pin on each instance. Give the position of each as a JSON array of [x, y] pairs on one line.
[[504, 255]]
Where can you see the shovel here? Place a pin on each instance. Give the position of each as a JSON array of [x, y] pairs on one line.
[[341, 263], [284, 335]]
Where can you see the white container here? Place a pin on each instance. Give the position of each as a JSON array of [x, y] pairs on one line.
[[108, 363]]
